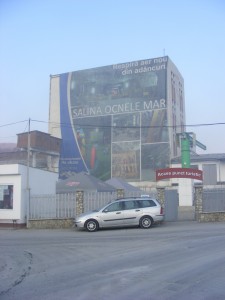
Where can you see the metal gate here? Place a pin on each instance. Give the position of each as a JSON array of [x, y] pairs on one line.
[[171, 205]]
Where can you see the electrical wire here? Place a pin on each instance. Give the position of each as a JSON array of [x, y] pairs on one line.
[[91, 125], [13, 123], [58, 125]]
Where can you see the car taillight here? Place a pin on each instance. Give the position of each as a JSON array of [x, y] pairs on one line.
[[161, 211]]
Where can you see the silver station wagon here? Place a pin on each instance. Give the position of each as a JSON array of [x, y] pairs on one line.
[[138, 211]]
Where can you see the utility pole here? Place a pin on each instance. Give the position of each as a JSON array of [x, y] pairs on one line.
[[28, 156], [28, 172]]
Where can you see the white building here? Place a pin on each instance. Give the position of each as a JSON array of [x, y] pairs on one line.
[[17, 183]]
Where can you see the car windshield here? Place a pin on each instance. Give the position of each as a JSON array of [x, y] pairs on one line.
[[101, 207]]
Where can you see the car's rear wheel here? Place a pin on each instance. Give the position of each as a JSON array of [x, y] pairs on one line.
[[91, 225], [146, 222]]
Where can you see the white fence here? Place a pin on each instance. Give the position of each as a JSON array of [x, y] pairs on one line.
[[61, 206], [52, 206]]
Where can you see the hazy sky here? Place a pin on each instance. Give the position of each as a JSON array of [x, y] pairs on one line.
[[43, 37]]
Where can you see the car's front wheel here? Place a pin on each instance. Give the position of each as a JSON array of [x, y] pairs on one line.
[[91, 225], [146, 222]]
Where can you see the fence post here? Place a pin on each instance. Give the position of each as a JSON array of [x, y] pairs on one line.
[[161, 196], [79, 202], [198, 202], [120, 193]]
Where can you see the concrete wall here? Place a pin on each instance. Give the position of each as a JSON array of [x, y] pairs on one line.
[[51, 224]]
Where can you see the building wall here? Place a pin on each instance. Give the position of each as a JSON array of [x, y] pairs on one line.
[[40, 182], [220, 169], [54, 107], [221, 172], [39, 140], [176, 105], [118, 116], [15, 181]]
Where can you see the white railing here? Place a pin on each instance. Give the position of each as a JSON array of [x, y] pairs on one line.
[[61, 206], [52, 206]]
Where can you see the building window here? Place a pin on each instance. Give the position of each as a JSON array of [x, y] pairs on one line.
[[6, 196]]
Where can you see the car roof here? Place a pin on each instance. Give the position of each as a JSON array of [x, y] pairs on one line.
[[135, 198]]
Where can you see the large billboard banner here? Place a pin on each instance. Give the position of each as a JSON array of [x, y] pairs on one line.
[[114, 120]]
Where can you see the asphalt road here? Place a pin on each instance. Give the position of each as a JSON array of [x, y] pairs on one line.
[[181, 260]]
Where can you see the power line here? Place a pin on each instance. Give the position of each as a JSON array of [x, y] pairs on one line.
[[56, 125], [13, 123], [91, 125]]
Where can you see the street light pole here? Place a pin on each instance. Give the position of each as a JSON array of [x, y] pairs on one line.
[[28, 173]]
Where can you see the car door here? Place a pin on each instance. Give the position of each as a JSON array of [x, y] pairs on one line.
[[132, 212], [112, 215]]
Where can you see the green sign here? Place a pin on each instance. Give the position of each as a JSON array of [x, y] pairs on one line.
[[185, 153]]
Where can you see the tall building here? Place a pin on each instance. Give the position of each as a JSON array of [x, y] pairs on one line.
[[119, 120]]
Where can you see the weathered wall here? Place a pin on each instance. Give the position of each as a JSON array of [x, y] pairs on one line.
[[212, 217], [51, 223]]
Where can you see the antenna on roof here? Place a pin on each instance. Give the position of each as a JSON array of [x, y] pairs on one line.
[[164, 51]]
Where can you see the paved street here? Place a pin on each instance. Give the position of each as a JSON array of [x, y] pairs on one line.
[[176, 260]]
